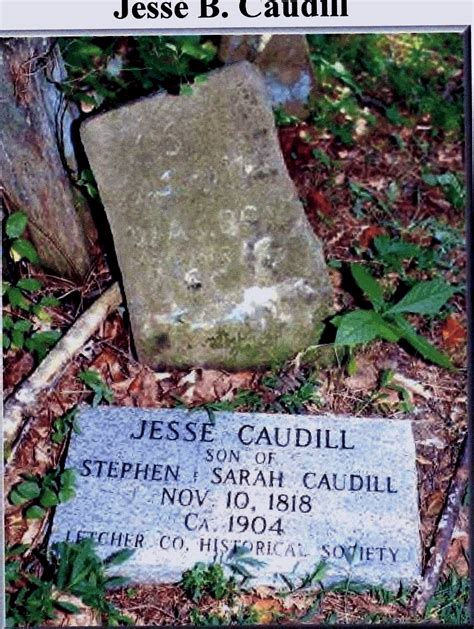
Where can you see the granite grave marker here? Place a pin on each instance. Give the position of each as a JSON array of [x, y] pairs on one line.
[[179, 488], [220, 266]]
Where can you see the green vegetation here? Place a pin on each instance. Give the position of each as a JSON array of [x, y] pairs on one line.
[[68, 570], [22, 295], [205, 579], [406, 77], [386, 320], [39, 493], [106, 71], [64, 425], [94, 382], [450, 603]]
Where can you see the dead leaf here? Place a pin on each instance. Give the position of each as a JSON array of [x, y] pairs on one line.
[[453, 333], [317, 202], [369, 233]]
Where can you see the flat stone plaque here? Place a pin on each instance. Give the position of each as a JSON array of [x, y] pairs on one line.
[[291, 490]]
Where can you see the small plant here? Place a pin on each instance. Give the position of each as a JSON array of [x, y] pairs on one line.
[[93, 381], [207, 579], [240, 563], [387, 382], [295, 401], [70, 569], [62, 426], [386, 319], [453, 188], [450, 603], [18, 330], [37, 494]]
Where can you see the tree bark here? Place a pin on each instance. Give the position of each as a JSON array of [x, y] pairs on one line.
[[37, 151]]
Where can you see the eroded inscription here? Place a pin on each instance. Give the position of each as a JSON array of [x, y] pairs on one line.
[[291, 490]]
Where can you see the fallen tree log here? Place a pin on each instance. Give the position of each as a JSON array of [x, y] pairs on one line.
[[52, 366]]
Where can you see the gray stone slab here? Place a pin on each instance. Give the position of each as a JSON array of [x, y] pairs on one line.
[[292, 490], [286, 65], [220, 265]]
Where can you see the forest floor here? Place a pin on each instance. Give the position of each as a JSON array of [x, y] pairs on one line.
[[351, 195]]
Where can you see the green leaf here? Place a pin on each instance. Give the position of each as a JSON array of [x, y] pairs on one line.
[[17, 299], [28, 489], [424, 347], [119, 557], [90, 377], [66, 493], [67, 607], [67, 478], [18, 339], [368, 284], [49, 301], [24, 249], [35, 512], [30, 284], [22, 325], [48, 498], [16, 224], [16, 498], [6, 341], [424, 298], [363, 326]]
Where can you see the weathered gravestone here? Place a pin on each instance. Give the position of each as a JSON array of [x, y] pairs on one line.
[[285, 62], [220, 265], [291, 490]]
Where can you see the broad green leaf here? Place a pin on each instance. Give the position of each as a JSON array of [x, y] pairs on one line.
[[49, 301], [6, 341], [66, 493], [18, 339], [356, 327], [48, 498], [424, 347], [35, 512], [16, 224], [363, 326], [22, 248], [368, 284], [8, 322], [67, 478], [29, 284], [22, 325], [424, 298], [17, 299], [28, 489], [16, 498], [90, 377]]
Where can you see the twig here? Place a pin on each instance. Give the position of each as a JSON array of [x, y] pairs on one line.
[[46, 374], [444, 533]]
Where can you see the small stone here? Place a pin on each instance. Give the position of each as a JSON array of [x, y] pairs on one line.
[[286, 65], [220, 266], [179, 487]]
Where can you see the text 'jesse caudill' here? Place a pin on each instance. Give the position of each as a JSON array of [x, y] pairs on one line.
[[248, 8]]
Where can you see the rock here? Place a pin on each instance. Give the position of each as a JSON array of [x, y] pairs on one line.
[[220, 265], [178, 487], [286, 65]]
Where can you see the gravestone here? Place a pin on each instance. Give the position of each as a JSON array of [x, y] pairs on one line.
[[286, 65], [179, 487], [220, 265]]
